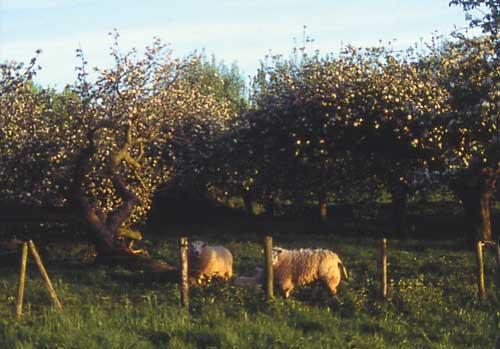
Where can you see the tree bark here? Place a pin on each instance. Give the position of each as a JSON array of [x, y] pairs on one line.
[[247, 200], [269, 205], [399, 203], [475, 189], [99, 235]]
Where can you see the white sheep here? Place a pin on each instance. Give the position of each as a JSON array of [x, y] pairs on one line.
[[207, 262], [301, 267], [250, 281]]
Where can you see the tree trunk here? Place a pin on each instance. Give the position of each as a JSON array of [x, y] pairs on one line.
[[399, 195], [103, 227], [476, 206], [269, 205], [247, 200], [323, 209], [475, 188]]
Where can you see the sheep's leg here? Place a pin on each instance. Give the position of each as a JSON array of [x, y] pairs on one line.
[[287, 288], [332, 284], [227, 275]]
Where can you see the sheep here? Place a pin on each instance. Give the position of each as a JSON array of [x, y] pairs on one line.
[[207, 262], [250, 281], [301, 267]]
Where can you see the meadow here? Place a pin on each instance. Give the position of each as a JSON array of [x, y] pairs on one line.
[[432, 299]]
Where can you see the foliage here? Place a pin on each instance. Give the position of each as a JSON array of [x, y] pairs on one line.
[[200, 138], [334, 126], [316, 129], [151, 101], [105, 146], [490, 22], [470, 133], [19, 136]]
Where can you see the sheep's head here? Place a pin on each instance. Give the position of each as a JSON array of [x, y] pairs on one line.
[[195, 248], [276, 253]]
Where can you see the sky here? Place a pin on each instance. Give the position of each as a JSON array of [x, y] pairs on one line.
[[233, 30]]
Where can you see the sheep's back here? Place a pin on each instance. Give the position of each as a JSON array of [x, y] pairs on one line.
[[305, 266], [215, 260]]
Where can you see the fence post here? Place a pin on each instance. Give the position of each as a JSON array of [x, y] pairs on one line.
[[45, 276], [383, 267], [22, 280], [480, 270], [183, 253], [269, 279]]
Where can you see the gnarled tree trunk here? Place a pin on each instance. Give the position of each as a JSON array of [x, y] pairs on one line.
[[475, 189], [103, 227]]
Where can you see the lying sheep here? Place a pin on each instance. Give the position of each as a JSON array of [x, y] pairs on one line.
[[301, 267], [250, 281], [207, 262]]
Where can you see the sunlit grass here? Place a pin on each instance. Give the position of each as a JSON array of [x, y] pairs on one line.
[[432, 303]]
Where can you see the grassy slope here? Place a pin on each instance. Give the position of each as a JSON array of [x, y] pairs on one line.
[[432, 305]]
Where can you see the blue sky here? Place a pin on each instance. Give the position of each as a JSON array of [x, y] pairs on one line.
[[233, 30]]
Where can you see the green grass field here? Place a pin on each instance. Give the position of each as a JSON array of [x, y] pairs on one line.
[[433, 299]]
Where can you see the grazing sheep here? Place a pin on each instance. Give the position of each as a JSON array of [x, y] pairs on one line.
[[250, 281], [301, 267], [207, 262]]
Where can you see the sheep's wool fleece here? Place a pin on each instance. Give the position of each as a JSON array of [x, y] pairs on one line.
[[213, 261], [250, 281], [306, 265]]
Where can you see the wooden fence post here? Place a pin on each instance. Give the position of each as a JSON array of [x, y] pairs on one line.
[[383, 267], [480, 270], [22, 280], [183, 253], [45, 276], [269, 277]]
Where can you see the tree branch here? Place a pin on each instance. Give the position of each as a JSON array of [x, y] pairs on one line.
[[122, 213]]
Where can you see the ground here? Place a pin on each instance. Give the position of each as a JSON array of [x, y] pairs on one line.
[[433, 297]]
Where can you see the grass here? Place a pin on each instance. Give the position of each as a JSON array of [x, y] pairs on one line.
[[432, 304]]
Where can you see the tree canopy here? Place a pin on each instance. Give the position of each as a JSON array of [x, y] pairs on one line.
[[314, 129]]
